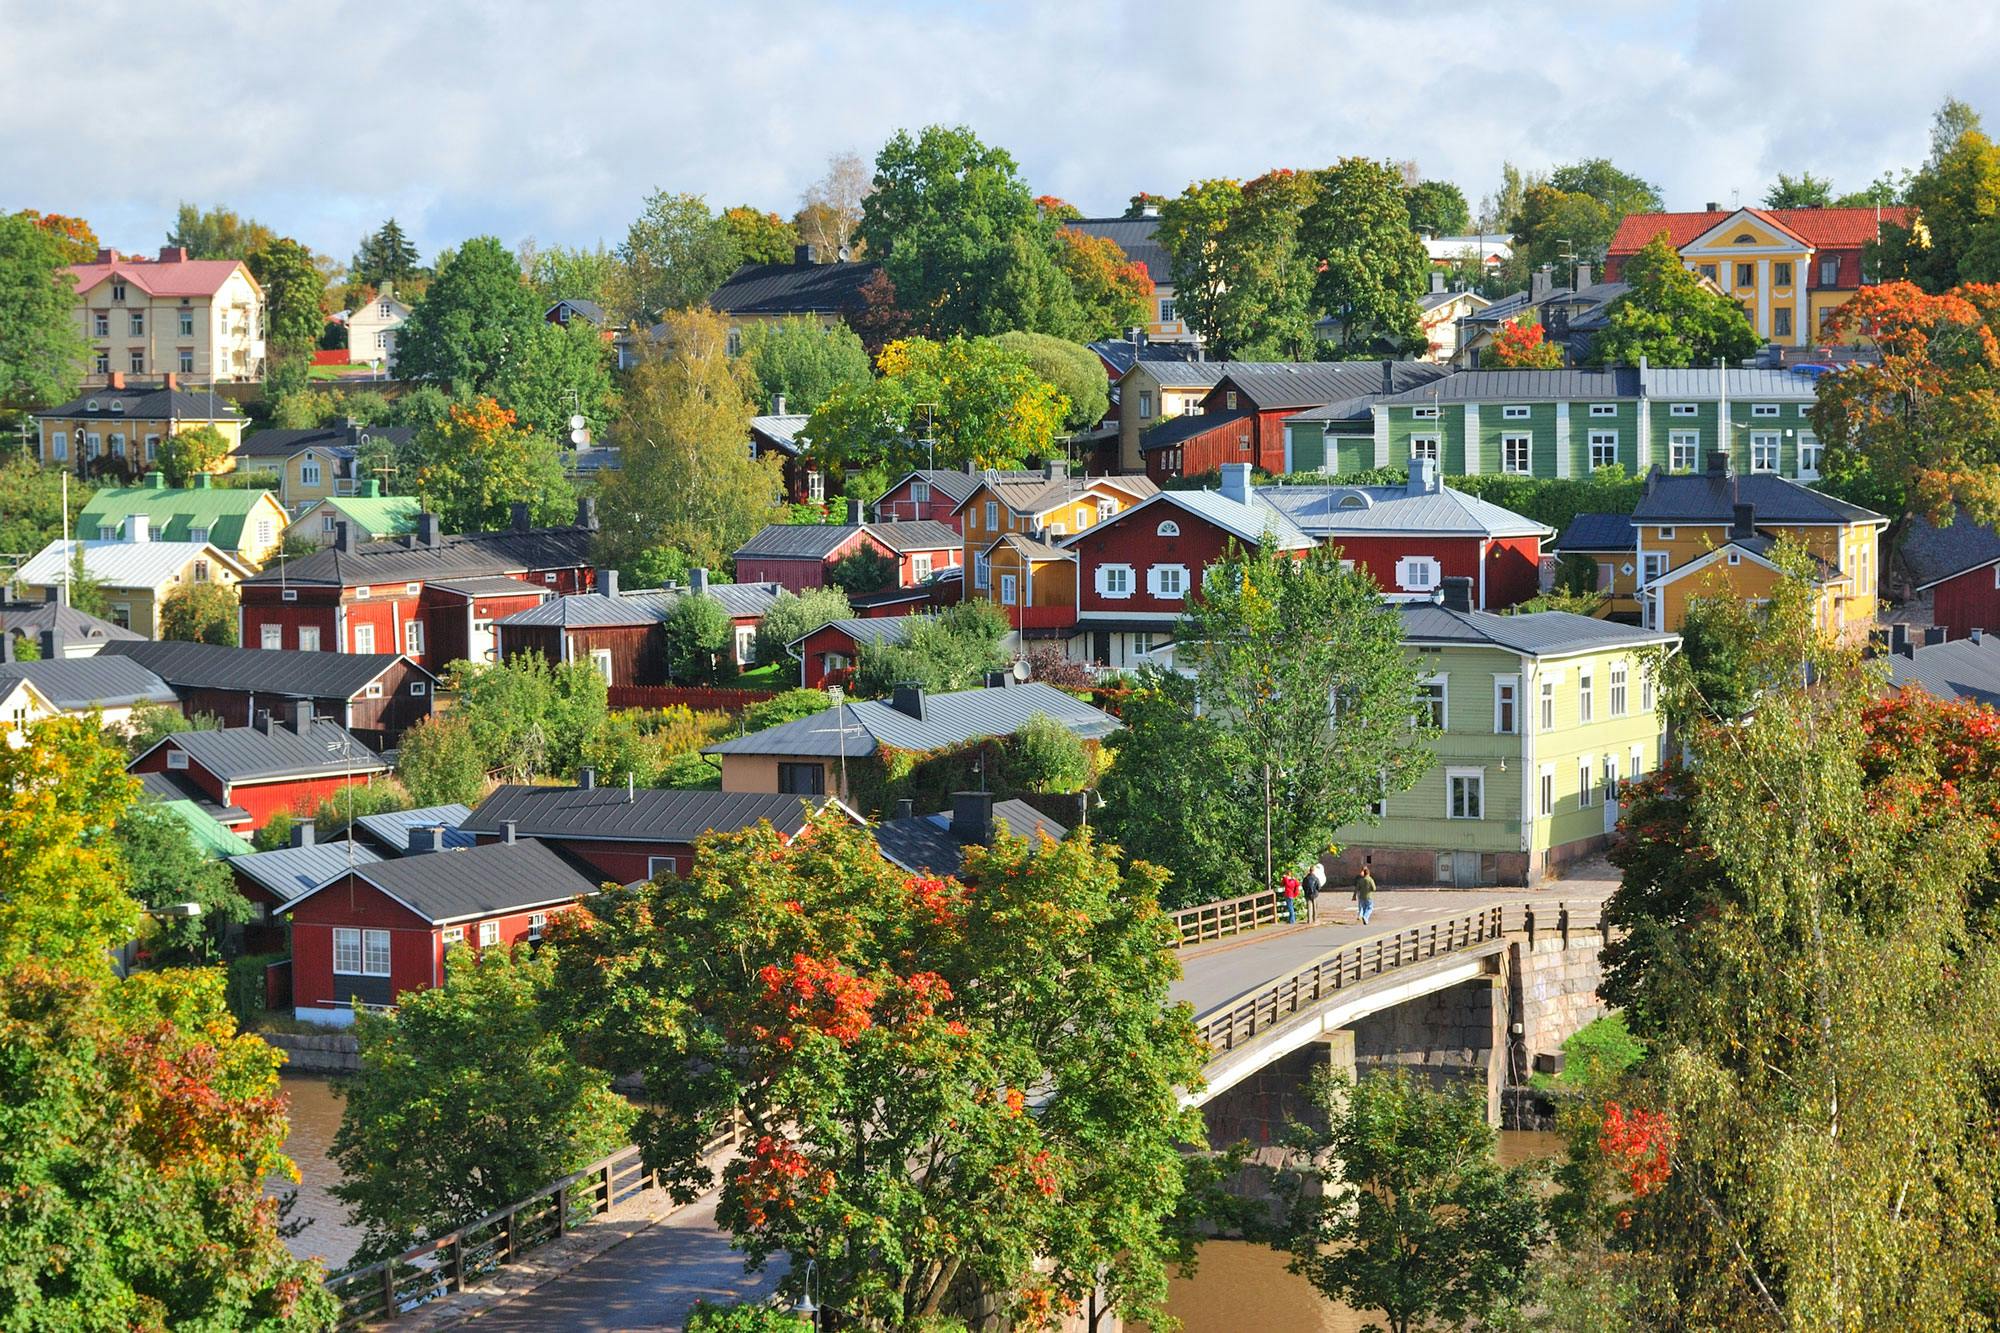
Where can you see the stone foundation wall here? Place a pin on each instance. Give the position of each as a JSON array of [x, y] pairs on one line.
[[335, 1053], [1262, 1108], [1418, 866], [1553, 984], [1454, 1036]]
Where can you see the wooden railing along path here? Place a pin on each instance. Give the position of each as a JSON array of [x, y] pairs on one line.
[[461, 1259], [1231, 916]]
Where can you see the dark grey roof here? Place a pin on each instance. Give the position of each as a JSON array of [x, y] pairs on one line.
[[798, 541], [1177, 374], [1275, 384], [1118, 353], [285, 443], [28, 619], [955, 484], [144, 403], [1330, 512], [585, 609], [590, 310], [479, 882], [273, 671], [1959, 669], [178, 787], [648, 814], [1135, 237], [925, 844], [1933, 554], [793, 289], [949, 719], [75, 684], [490, 585], [1175, 430], [391, 831], [290, 872], [1522, 386], [781, 432], [919, 535], [867, 629], [1708, 497], [244, 754], [470, 555], [1599, 532], [1587, 302], [1537, 634]]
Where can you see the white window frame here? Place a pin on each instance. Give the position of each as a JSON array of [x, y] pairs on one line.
[[1474, 780], [1168, 581], [1427, 446], [59, 444], [363, 593], [1423, 414], [1651, 566], [1586, 696], [1646, 689], [982, 570], [1114, 581], [1419, 573], [413, 637], [1810, 449], [372, 690], [601, 659], [655, 864], [177, 760], [347, 954], [1677, 440], [1506, 705], [419, 688], [1766, 440], [920, 566], [364, 639], [1619, 675], [1526, 443], [992, 515], [1683, 409], [920, 492], [1604, 409], [1603, 439], [1515, 412], [1548, 705], [454, 935], [1586, 782], [1548, 790], [1168, 528], [289, 595], [1010, 585], [376, 959], [1437, 705], [309, 638], [1611, 779], [309, 474], [271, 638], [1762, 410], [489, 934]]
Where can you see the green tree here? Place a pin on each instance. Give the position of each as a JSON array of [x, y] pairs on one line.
[[334, 816], [1954, 235], [64, 882], [439, 763], [74, 236], [385, 255], [561, 372], [33, 514], [1884, 190], [761, 238], [1047, 756], [1670, 318], [1437, 208], [917, 1112], [191, 451], [41, 343], [1072, 368], [527, 718], [200, 613], [167, 868], [472, 467], [1619, 191], [1370, 265], [1498, 210], [465, 1102], [472, 326], [863, 570], [952, 650], [981, 402], [675, 253], [561, 273], [688, 481], [790, 706], [1269, 641], [1113, 292], [1397, 1205], [1804, 190], [804, 362], [830, 209], [1558, 229], [792, 615], [294, 294], [697, 635], [1264, 309], [149, 723], [1191, 229], [218, 233]]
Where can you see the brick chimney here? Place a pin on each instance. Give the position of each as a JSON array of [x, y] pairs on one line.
[[115, 380], [107, 256], [173, 254], [1457, 591], [170, 381]]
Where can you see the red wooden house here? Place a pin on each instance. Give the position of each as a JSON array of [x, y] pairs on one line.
[[928, 493], [624, 633], [1959, 566], [798, 555], [923, 547], [1411, 538], [377, 697], [427, 596], [245, 775], [627, 834], [368, 936], [833, 649]]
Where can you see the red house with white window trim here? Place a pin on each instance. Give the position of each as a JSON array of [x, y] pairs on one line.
[[1959, 566], [371, 935], [243, 776], [927, 493], [628, 834]]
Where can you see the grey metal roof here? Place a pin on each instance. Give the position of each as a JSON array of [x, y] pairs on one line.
[[144, 403], [799, 541], [1326, 512], [1248, 523], [793, 289], [290, 872], [296, 675], [243, 754], [919, 535], [29, 619], [949, 719], [1033, 548], [146, 564], [1744, 384], [1522, 386], [172, 786], [1188, 425], [1599, 532], [869, 630], [1711, 497], [285, 443], [478, 882], [1187, 374], [647, 814], [1586, 303], [954, 484], [75, 684], [781, 432], [650, 607], [391, 831], [491, 585], [467, 555], [1135, 237], [1537, 634], [1934, 554], [1958, 669], [925, 844], [1276, 384]]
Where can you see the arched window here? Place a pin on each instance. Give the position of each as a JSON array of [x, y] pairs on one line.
[[1169, 528], [1353, 502]]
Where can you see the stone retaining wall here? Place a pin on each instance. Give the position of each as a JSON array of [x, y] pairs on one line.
[[334, 1053]]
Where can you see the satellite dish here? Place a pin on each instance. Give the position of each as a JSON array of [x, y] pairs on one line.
[[580, 438], [1022, 670], [577, 422]]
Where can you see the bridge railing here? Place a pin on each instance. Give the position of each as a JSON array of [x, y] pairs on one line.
[[472, 1254], [1231, 916], [1241, 1020]]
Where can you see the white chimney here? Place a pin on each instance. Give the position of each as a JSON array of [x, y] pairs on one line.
[[1236, 482], [138, 528]]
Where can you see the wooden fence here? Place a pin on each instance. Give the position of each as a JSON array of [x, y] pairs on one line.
[[701, 698], [472, 1254], [1232, 916]]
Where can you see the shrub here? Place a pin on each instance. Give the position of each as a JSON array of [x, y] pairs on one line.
[[690, 772], [1047, 756], [793, 615], [787, 707], [377, 797], [707, 1318], [863, 570], [276, 834], [243, 988], [439, 762]]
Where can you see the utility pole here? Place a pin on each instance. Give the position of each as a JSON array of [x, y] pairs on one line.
[[1268, 882]]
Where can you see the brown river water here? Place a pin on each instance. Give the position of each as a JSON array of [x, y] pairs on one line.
[[1235, 1289]]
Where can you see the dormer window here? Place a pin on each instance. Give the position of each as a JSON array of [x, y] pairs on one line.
[[118, 291], [118, 405], [1169, 528]]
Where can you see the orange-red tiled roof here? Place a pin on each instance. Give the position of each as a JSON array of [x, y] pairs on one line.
[[1821, 228], [156, 277]]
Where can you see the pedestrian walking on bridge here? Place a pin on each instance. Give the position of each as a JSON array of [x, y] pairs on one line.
[[1315, 885], [1364, 891]]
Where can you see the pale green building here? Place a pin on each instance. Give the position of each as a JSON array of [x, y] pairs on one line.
[[1541, 717]]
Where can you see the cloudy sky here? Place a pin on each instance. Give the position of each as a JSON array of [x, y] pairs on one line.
[[555, 119]]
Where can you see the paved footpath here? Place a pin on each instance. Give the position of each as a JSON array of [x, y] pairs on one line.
[[653, 1278]]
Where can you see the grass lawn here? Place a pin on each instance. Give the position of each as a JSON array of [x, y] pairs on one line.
[[772, 677]]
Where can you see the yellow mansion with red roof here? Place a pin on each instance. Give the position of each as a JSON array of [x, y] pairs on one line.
[[199, 320]]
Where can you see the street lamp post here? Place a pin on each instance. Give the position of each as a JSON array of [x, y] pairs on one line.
[[807, 1306]]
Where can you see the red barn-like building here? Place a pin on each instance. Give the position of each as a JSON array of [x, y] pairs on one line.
[[927, 493], [369, 936], [625, 633], [1959, 566], [243, 776]]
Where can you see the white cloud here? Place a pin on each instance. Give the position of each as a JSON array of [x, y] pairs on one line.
[[521, 117]]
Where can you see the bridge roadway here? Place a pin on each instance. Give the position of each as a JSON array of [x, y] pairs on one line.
[[652, 1280]]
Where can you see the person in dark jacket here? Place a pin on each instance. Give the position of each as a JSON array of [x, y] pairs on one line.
[[1364, 891]]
